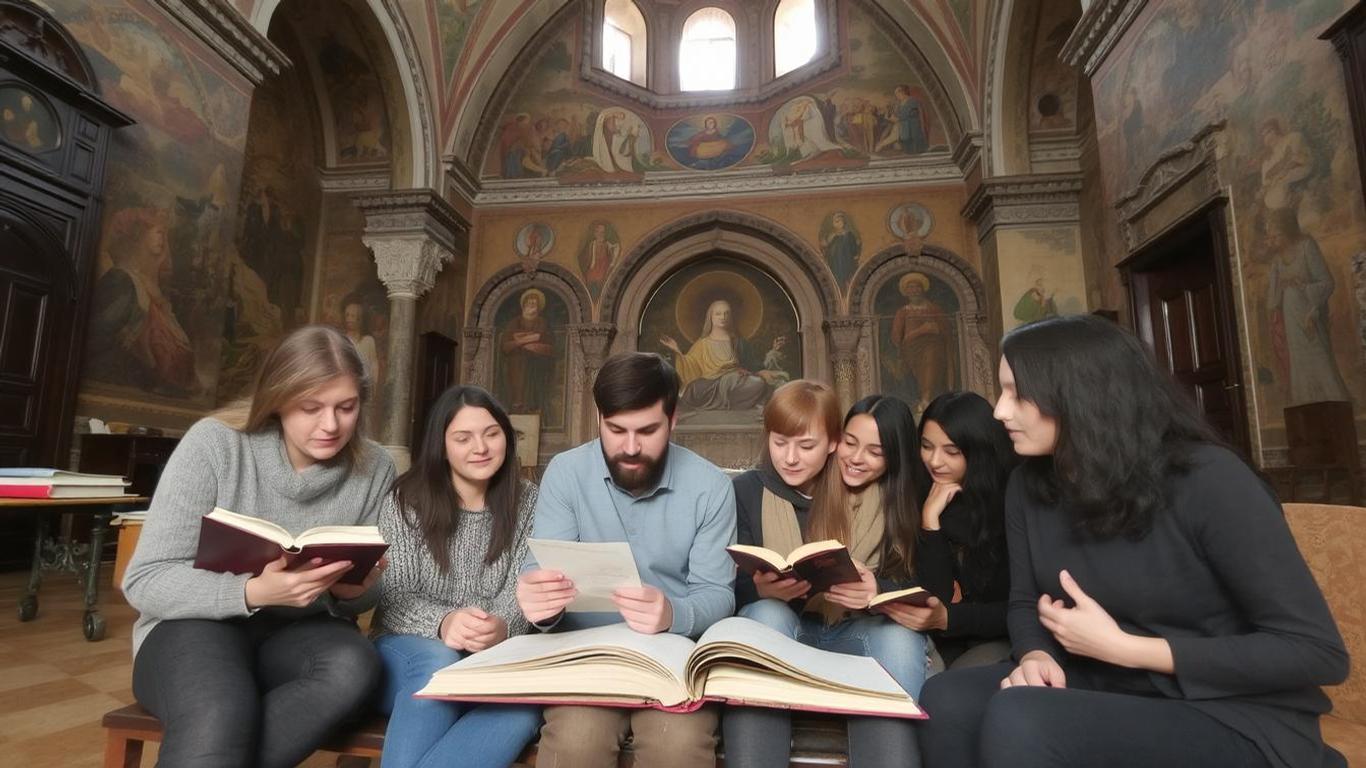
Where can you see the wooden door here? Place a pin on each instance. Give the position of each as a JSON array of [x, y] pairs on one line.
[[1182, 308], [37, 304]]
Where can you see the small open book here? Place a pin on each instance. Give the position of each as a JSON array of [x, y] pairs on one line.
[[822, 563], [915, 596], [234, 543], [737, 661]]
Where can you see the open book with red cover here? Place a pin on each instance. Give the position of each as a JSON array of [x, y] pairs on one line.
[[234, 543], [821, 563], [737, 661]]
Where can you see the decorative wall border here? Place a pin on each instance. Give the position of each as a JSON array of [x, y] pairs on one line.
[[224, 30], [1099, 30], [1193, 162], [1035, 199]]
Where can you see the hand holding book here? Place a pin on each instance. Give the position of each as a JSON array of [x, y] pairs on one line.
[[922, 618], [298, 587]]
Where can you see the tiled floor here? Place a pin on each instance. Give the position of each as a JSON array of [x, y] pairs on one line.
[[54, 685]]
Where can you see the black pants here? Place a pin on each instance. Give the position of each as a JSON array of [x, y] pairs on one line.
[[974, 723], [263, 691], [755, 737]]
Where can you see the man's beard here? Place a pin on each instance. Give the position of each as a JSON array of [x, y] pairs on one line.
[[635, 480]]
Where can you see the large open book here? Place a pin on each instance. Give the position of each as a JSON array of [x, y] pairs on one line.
[[234, 543], [821, 563], [738, 661]]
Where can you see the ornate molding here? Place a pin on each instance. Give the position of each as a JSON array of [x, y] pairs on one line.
[[411, 212], [968, 152], [747, 181], [38, 36], [461, 179], [594, 341], [514, 278], [1192, 164], [1016, 200], [479, 356], [845, 333], [1097, 32], [337, 181], [219, 25], [407, 264]]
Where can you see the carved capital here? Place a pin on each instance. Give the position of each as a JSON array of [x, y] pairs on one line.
[[407, 265], [1015, 200], [218, 24], [1097, 32], [410, 213], [844, 337], [478, 355], [594, 341]]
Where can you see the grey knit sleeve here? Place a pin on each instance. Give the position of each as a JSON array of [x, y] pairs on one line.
[[504, 604], [406, 604], [161, 580]]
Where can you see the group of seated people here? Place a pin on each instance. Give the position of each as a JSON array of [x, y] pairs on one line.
[[1113, 586]]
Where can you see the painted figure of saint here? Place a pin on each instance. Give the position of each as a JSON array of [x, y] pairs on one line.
[[598, 254], [1036, 303], [842, 245], [921, 333], [528, 354], [911, 133], [1297, 292], [718, 371]]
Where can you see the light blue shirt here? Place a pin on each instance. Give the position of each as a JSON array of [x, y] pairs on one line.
[[678, 531]]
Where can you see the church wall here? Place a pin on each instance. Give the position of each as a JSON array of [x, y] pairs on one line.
[[1287, 157], [171, 198]]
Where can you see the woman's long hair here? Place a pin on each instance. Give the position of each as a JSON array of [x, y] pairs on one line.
[[1123, 427], [796, 407], [426, 494], [900, 492], [303, 362], [966, 418]]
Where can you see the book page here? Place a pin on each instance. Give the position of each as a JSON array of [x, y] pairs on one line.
[[339, 534], [815, 547], [775, 560], [255, 525], [596, 568]]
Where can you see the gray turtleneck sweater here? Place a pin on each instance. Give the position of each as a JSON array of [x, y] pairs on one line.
[[217, 466]]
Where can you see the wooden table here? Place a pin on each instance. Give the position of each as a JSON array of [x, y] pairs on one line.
[[64, 555]]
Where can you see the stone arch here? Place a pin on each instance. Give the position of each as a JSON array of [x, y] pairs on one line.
[[753, 235], [419, 164], [975, 353], [513, 278]]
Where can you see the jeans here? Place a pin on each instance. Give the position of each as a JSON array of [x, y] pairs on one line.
[[259, 691], [429, 733], [760, 738], [975, 723]]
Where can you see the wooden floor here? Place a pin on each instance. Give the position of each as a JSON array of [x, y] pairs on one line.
[[54, 685]]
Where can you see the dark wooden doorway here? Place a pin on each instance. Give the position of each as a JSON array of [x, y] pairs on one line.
[[1181, 296], [37, 303]]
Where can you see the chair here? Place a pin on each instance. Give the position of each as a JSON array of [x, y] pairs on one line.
[[1333, 542], [1323, 442]]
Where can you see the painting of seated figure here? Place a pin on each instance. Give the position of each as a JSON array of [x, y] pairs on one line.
[[731, 331]]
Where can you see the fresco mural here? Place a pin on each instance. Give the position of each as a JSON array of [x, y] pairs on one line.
[[710, 142], [1045, 278], [453, 20], [1288, 154], [600, 251], [911, 223], [270, 268], [26, 121], [842, 246], [918, 328], [731, 331], [170, 196], [531, 357], [876, 108], [533, 243]]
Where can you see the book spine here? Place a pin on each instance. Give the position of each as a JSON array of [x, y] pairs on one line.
[[25, 491]]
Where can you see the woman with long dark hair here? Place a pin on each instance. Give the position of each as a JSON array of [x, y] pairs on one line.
[[864, 495], [965, 460], [257, 669], [1159, 610], [457, 524]]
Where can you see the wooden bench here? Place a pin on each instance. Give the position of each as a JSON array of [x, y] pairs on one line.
[[817, 741]]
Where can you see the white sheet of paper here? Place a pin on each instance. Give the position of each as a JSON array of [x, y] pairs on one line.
[[596, 568]]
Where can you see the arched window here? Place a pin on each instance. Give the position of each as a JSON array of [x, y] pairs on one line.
[[794, 35], [706, 55], [623, 40]]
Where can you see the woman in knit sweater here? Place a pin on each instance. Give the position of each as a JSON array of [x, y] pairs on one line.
[[858, 471], [456, 524], [250, 670], [965, 460], [1159, 609]]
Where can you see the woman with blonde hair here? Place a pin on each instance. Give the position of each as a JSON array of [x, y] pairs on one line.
[[802, 492], [255, 670]]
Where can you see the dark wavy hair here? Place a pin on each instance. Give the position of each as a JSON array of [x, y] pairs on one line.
[[426, 495], [900, 489], [1123, 426], [967, 420]]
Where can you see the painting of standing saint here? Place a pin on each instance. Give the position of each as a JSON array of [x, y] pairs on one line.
[[731, 331], [918, 338], [531, 355]]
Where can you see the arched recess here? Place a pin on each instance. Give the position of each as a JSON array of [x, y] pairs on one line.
[[481, 339], [1006, 93], [975, 352], [479, 97], [418, 165]]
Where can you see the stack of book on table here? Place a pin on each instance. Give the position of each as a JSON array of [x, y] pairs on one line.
[[41, 483]]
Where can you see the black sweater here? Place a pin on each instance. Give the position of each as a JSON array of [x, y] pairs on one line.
[[981, 615], [749, 517], [1220, 578]]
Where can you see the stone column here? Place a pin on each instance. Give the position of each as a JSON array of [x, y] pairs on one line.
[[595, 339], [845, 333], [411, 234]]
